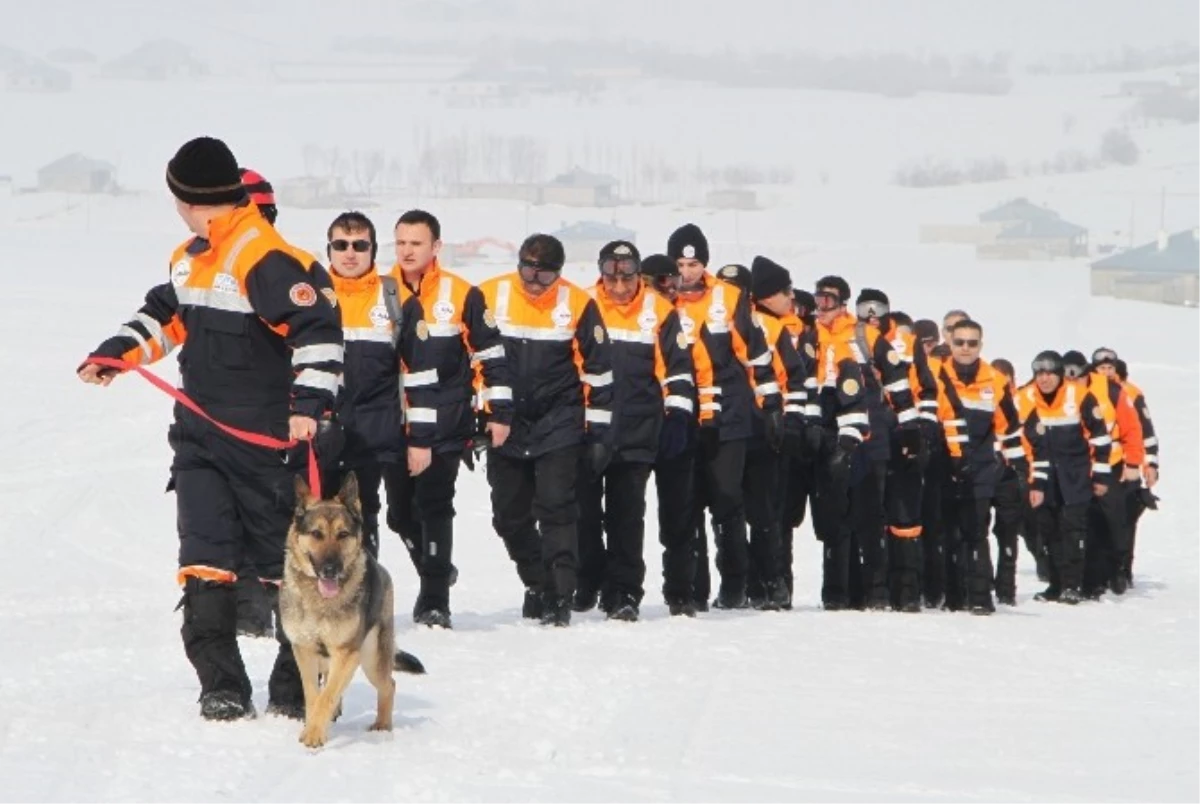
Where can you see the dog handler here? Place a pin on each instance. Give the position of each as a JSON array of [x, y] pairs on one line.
[[260, 350]]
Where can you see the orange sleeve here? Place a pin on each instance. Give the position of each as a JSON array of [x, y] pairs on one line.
[[1130, 425]]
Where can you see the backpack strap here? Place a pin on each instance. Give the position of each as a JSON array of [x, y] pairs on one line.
[[391, 300]]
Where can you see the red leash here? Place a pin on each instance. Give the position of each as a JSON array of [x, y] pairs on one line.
[[258, 439]]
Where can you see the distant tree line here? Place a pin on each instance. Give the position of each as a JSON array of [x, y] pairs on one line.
[[1117, 147], [1125, 60]]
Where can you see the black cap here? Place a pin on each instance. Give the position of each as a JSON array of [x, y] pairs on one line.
[[768, 278], [688, 242], [927, 331], [205, 173], [804, 301], [659, 265], [1074, 358], [621, 250], [736, 275]]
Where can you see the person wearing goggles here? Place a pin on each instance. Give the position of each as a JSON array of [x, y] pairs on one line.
[[661, 274], [1066, 428], [719, 315], [977, 410], [560, 367], [654, 416]]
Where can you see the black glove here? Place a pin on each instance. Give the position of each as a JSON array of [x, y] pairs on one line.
[[599, 456], [1021, 470], [910, 441], [814, 439], [710, 441], [840, 460], [1148, 498], [962, 473], [774, 426], [328, 443], [673, 438]]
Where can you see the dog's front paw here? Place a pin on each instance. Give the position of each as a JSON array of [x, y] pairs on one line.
[[313, 736]]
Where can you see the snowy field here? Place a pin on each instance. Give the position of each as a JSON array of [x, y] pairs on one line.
[[1039, 702]]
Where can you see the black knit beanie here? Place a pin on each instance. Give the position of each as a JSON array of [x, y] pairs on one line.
[[688, 242], [204, 172], [768, 278]]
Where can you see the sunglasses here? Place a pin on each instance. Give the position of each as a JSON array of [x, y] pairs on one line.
[[622, 268], [538, 272], [970, 343], [361, 246]]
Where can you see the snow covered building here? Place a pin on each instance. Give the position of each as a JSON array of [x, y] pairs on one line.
[[76, 173], [582, 241], [1165, 271]]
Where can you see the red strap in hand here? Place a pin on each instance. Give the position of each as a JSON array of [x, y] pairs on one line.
[[258, 439]]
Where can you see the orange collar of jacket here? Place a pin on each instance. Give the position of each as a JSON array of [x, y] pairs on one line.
[[351, 286], [225, 226], [636, 300]]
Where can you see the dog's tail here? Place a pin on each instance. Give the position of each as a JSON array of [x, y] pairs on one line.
[[404, 662]]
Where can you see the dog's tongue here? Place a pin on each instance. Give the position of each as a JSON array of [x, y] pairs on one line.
[[328, 587]]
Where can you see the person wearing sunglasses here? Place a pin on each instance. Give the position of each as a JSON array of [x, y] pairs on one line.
[[1139, 491], [560, 367], [680, 518], [1109, 532], [942, 350], [261, 348], [653, 396], [977, 411], [1070, 442], [719, 316]]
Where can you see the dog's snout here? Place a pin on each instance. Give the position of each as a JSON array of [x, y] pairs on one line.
[[330, 570]]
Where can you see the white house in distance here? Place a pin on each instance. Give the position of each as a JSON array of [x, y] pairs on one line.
[[76, 173], [158, 60]]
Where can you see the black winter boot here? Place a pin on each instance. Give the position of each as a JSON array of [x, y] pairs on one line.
[[210, 640]]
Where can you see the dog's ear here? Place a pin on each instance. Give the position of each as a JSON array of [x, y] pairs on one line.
[[304, 496], [348, 493]]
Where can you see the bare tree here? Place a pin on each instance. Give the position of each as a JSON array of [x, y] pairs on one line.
[[368, 169]]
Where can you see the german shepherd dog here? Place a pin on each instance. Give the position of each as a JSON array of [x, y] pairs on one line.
[[336, 607]]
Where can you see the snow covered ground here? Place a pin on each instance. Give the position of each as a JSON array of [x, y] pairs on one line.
[[98, 702], [1040, 702]]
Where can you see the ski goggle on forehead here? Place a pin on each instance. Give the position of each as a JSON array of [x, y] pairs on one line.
[[1046, 367], [871, 309], [1103, 356], [541, 273], [620, 267]]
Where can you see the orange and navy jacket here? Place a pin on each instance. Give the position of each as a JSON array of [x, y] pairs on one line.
[[922, 380], [368, 405], [559, 365], [1070, 441], [719, 318], [445, 328], [838, 399], [652, 370], [978, 414], [1124, 424], [790, 367], [1149, 436], [255, 321]]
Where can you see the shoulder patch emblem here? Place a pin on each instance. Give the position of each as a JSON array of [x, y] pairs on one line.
[[894, 357], [302, 295], [489, 319], [422, 330], [810, 351], [1099, 414], [180, 272], [598, 332], [850, 387], [330, 296], [681, 340], [1041, 428]]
